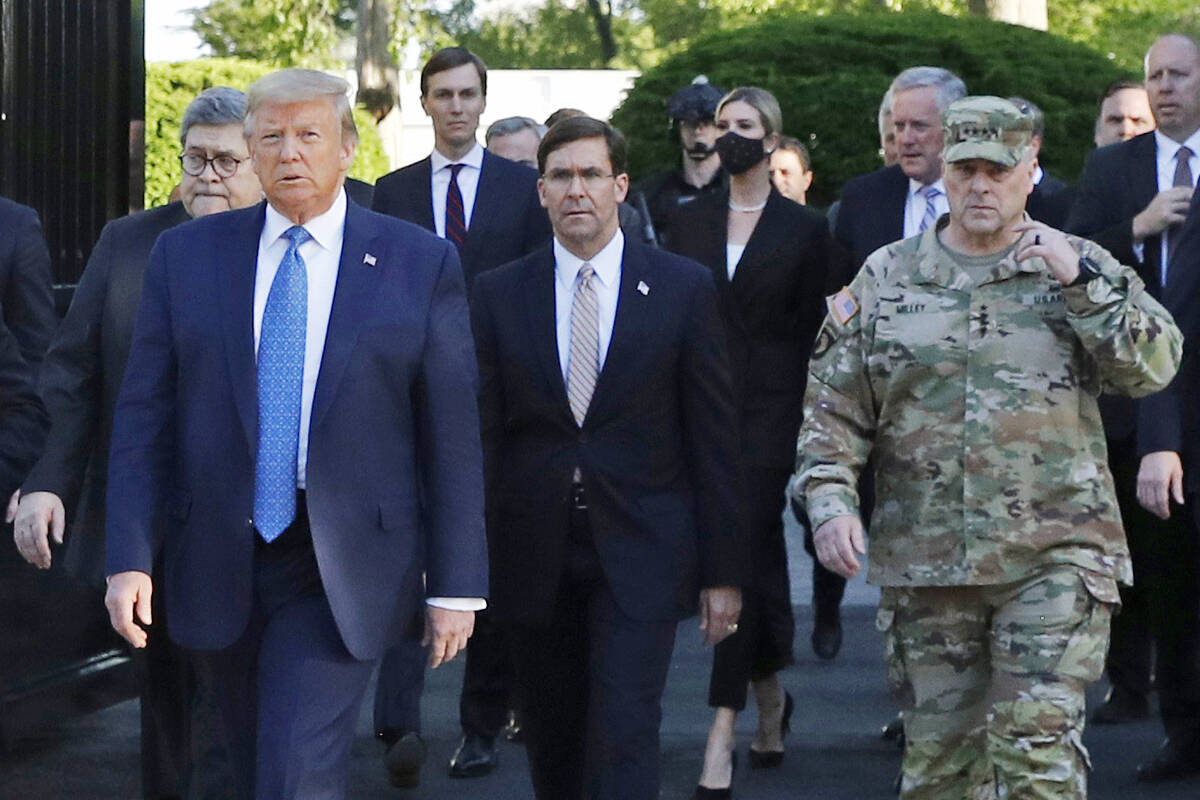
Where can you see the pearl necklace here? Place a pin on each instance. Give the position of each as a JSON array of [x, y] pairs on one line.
[[747, 209]]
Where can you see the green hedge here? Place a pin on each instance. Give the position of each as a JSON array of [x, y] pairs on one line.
[[830, 73], [171, 86]]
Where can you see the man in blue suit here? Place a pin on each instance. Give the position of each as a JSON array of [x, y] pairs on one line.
[[488, 207], [298, 405]]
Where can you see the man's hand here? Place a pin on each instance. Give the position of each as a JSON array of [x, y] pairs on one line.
[[37, 517], [11, 512], [1168, 207], [1039, 240], [837, 541], [446, 632], [720, 608], [1160, 477], [129, 592]]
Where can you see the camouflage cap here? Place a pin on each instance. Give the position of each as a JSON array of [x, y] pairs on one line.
[[986, 127], [695, 102]]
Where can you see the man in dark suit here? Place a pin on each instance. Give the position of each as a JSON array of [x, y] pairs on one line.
[[610, 449], [488, 207], [25, 282], [904, 199], [298, 405], [79, 382], [1050, 200], [1131, 198]]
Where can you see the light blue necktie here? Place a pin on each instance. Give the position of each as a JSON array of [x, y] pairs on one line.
[[930, 193], [280, 385]]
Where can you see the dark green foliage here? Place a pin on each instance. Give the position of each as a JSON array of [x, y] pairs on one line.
[[169, 89], [830, 72]]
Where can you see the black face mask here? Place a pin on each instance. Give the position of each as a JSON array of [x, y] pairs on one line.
[[700, 151], [739, 154]]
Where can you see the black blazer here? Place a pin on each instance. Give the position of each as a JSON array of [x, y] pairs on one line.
[[1119, 181], [25, 294], [82, 376], [1170, 419], [360, 192], [1050, 201], [507, 220], [772, 310], [657, 449], [23, 419], [871, 213]]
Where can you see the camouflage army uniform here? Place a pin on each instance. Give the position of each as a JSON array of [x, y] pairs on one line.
[[995, 534]]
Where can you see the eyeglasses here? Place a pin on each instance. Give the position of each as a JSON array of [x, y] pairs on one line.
[[224, 165], [592, 178]]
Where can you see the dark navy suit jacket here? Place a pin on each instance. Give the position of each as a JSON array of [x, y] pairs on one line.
[[25, 293], [507, 220], [394, 464], [872, 212], [658, 449]]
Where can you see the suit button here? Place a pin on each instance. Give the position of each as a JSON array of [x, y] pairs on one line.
[[583, 438], [249, 522]]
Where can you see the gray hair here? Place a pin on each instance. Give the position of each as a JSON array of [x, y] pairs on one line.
[[510, 125], [216, 105], [289, 86], [949, 86], [885, 111], [761, 101]]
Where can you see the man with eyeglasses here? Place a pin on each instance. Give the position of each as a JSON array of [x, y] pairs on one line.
[[608, 426], [79, 381]]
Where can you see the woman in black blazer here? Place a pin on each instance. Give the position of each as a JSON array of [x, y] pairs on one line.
[[774, 263]]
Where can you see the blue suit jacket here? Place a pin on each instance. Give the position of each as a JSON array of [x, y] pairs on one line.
[[394, 464], [507, 220]]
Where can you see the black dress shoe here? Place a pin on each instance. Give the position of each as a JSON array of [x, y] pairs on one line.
[[769, 759], [705, 793], [827, 638], [403, 759], [1175, 759], [475, 757], [1121, 705], [894, 731]]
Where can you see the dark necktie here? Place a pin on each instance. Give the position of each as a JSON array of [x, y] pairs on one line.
[[456, 217], [1183, 177], [280, 386]]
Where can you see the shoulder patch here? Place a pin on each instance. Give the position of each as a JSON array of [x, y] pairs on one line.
[[843, 306]]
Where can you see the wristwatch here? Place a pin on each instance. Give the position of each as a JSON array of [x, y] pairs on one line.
[[1088, 270]]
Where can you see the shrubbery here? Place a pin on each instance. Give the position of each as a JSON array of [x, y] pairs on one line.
[[830, 73], [171, 86]]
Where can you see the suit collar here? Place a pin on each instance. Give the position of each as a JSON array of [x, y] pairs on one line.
[[538, 281], [236, 268]]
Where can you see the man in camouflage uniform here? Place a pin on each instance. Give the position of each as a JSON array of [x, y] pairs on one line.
[[966, 361]]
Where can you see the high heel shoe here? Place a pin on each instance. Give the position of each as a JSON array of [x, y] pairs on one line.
[[705, 793], [769, 759]]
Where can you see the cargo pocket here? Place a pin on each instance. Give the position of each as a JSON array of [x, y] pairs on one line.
[[1083, 656], [893, 653]]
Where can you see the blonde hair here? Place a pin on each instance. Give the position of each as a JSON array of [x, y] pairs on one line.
[[289, 86], [761, 101]]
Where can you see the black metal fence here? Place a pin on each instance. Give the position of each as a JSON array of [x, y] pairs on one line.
[[72, 83]]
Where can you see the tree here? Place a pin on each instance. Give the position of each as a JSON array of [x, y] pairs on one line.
[[378, 78], [280, 32], [1030, 13]]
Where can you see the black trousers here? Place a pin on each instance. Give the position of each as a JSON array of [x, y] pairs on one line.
[[487, 679], [763, 643], [1131, 642], [590, 688]]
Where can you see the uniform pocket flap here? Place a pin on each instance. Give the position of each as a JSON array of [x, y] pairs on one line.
[[1101, 587]]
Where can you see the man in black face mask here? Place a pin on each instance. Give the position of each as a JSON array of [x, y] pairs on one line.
[[691, 111]]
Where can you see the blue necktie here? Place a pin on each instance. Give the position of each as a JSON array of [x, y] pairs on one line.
[[930, 193], [280, 385]]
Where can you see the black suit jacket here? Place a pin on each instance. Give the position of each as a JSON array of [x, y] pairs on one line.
[[28, 302], [1119, 181], [871, 213], [1050, 201], [1170, 419], [772, 311], [507, 220], [657, 449], [82, 376], [23, 419], [360, 192]]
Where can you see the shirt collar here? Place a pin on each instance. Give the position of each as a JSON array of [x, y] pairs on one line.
[[606, 263], [1167, 147], [1038, 174], [474, 158], [915, 186], [323, 228]]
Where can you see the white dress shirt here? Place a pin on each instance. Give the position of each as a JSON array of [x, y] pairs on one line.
[[914, 206], [607, 283], [322, 254], [468, 182], [733, 256], [1165, 149]]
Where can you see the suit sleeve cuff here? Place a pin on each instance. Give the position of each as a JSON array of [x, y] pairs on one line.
[[457, 603]]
